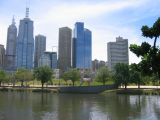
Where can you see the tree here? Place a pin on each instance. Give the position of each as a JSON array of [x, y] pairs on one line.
[[66, 76], [122, 74], [103, 75], [73, 75], [135, 77], [135, 74], [150, 55], [23, 75], [2, 76], [43, 74]]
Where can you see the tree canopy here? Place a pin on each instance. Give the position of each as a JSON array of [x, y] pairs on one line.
[[150, 55], [103, 75], [122, 74], [44, 74], [23, 75], [73, 75]]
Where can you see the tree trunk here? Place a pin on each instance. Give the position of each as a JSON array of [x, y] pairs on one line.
[[42, 85], [125, 84], [0, 83], [104, 82], [155, 40], [138, 84], [73, 83], [22, 83]]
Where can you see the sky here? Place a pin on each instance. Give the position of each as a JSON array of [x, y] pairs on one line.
[[107, 19]]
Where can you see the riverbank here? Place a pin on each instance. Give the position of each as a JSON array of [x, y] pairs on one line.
[[135, 91], [150, 90], [63, 89]]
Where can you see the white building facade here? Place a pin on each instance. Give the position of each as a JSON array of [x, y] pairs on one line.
[[117, 52]]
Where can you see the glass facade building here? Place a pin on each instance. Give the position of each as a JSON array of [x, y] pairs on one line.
[[11, 47], [48, 59], [40, 47], [25, 44], [82, 47]]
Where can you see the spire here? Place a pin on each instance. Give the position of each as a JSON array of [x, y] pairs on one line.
[[27, 12], [13, 21]]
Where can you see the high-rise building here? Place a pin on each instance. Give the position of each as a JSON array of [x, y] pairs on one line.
[[117, 52], [40, 47], [48, 59], [11, 47], [64, 49], [82, 47], [96, 65], [2, 56], [25, 43]]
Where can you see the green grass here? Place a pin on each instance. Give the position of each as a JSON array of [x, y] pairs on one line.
[[62, 83]]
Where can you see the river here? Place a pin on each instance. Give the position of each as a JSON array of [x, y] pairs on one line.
[[49, 106]]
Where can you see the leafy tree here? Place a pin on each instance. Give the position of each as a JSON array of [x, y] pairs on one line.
[[135, 74], [23, 75], [150, 55], [43, 74], [2, 76], [122, 74], [73, 75], [135, 77], [103, 75], [66, 76]]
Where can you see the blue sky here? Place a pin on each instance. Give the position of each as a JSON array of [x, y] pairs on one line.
[[107, 19]]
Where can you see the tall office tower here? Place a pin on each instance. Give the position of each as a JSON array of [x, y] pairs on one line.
[[11, 46], [25, 43], [40, 47], [2, 56], [64, 49], [82, 47], [48, 59], [95, 65], [117, 52]]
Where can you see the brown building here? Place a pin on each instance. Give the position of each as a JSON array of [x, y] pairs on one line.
[[64, 49], [2, 56]]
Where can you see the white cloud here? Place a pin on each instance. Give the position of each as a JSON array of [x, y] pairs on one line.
[[49, 15]]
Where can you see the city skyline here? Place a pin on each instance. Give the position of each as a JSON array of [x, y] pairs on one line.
[[109, 20]]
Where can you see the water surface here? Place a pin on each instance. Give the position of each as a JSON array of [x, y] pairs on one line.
[[47, 106]]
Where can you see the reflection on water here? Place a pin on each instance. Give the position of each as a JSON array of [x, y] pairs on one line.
[[46, 106]]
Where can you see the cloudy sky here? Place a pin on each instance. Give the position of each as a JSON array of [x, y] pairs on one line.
[[107, 19]]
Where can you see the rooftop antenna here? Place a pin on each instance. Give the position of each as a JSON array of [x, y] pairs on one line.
[[13, 21], [27, 9]]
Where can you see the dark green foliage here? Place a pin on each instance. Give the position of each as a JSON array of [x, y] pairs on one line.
[[150, 56], [142, 50], [44, 74], [122, 74], [103, 75]]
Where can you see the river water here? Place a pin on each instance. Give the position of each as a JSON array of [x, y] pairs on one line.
[[47, 106]]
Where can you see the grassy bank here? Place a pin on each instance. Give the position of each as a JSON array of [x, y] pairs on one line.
[[139, 91], [48, 90]]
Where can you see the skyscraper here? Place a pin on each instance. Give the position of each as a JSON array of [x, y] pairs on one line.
[[117, 52], [11, 46], [25, 43], [40, 47], [64, 49], [82, 47], [2, 56]]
